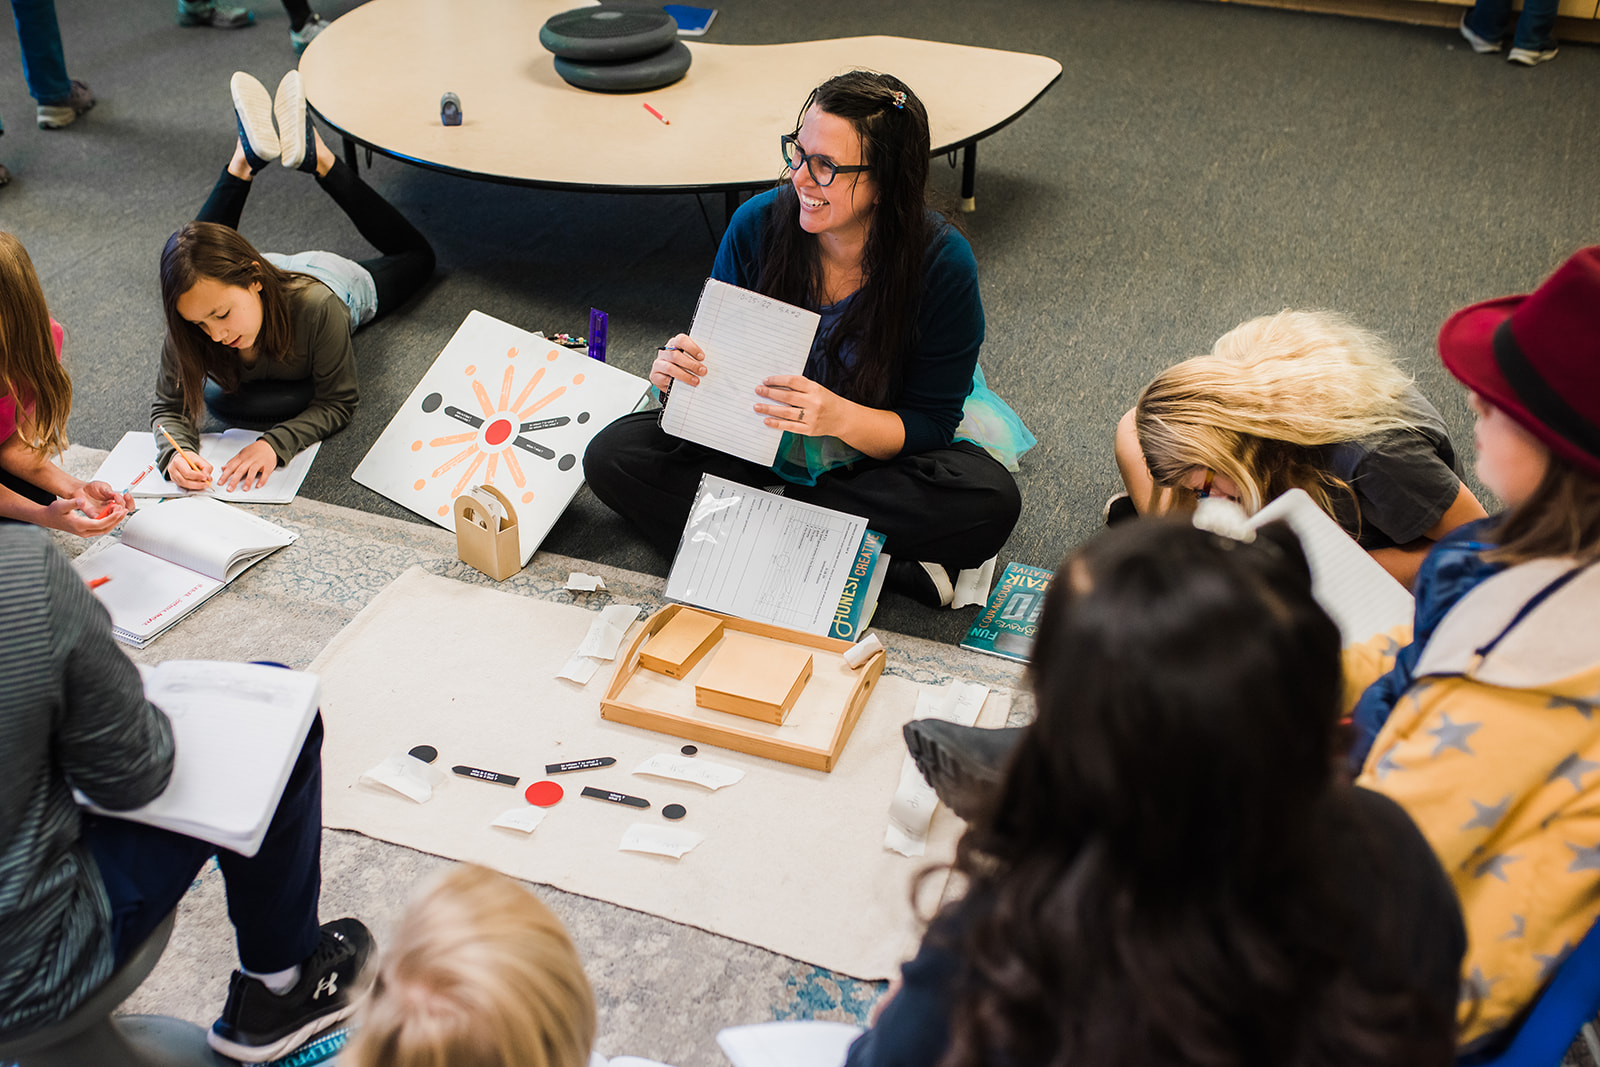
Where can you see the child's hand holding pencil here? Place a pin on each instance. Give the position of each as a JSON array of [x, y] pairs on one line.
[[187, 470]]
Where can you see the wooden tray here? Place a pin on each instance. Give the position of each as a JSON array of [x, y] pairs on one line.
[[815, 731]]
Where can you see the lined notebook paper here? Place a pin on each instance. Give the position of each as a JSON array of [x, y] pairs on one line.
[[1352, 587], [746, 338]]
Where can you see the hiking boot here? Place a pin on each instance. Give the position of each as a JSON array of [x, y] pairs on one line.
[[963, 764], [66, 112], [258, 1025]]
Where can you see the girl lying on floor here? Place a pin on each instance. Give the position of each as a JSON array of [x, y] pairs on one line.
[[263, 340]]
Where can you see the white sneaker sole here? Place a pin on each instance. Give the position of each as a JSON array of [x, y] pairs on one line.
[[290, 107], [1527, 57], [284, 1045], [254, 108]]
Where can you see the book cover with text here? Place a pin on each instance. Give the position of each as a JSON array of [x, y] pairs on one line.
[[1009, 621]]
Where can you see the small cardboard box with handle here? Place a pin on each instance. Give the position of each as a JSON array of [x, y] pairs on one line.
[[486, 532]]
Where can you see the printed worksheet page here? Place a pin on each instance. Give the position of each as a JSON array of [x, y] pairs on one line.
[[746, 338], [763, 557]]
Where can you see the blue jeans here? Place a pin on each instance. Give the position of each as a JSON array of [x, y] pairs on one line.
[[43, 64], [1535, 29]]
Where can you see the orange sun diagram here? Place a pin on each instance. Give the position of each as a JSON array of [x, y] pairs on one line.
[[499, 430]]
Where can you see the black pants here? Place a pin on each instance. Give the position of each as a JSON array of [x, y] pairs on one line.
[[407, 260], [954, 506]]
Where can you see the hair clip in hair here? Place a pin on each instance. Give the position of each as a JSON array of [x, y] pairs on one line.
[[899, 98]]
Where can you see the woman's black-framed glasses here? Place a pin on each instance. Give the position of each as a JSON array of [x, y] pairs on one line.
[[822, 168]]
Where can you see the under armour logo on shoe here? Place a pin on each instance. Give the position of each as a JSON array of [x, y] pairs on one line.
[[328, 985]]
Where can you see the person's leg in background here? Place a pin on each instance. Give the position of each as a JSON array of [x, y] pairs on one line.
[[1485, 25], [61, 99], [1535, 41]]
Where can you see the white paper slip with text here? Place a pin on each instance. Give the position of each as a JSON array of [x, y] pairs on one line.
[[746, 338]]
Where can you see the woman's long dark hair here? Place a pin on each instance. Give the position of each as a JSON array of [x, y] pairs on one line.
[[881, 321], [211, 250], [1149, 885]]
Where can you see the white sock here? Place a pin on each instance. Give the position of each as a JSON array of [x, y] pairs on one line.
[[278, 982]]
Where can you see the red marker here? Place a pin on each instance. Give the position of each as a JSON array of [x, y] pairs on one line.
[[664, 120], [96, 583]]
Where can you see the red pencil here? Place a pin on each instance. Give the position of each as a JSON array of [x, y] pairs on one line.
[[96, 583], [658, 115]]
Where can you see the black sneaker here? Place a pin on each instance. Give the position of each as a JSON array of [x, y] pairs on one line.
[[964, 764], [259, 1025]]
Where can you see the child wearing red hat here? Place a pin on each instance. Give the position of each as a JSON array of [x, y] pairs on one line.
[[1484, 727]]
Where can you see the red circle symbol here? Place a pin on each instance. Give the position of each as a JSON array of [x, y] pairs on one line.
[[498, 431], [543, 794]]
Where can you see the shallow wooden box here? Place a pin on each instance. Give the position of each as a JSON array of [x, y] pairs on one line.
[[813, 735]]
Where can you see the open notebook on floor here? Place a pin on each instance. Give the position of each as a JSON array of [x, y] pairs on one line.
[[237, 729], [170, 558], [132, 464]]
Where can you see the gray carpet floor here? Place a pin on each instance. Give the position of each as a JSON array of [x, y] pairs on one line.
[[1196, 165]]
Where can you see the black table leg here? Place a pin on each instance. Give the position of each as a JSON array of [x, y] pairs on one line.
[[969, 176]]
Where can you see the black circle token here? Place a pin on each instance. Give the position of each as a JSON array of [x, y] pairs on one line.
[[674, 811], [425, 753], [688, 750]]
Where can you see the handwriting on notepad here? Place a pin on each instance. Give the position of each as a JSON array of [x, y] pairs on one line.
[[747, 338]]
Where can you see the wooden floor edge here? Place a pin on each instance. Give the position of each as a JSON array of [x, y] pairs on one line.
[[1418, 13]]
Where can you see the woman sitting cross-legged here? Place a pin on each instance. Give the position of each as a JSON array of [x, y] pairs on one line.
[[1170, 872], [875, 426]]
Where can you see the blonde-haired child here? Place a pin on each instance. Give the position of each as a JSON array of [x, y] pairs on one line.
[[1485, 729], [35, 400], [1307, 400], [478, 974]]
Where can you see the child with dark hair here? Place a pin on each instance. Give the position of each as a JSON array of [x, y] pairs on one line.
[[1484, 729], [874, 426], [263, 340], [1169, 872]]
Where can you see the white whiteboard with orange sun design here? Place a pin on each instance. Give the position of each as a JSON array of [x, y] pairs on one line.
[[499, 407]]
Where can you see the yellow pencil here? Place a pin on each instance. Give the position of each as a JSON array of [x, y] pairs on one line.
[[187, 462]]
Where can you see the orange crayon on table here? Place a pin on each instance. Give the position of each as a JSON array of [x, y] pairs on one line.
[[664, 120]]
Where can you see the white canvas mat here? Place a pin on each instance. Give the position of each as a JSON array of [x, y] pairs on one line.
[[793, 860]]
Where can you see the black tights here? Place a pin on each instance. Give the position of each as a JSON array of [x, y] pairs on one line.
[[407, 260]]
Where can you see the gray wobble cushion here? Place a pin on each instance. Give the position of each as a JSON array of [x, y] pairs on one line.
[[608, 33], [628, 76]]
